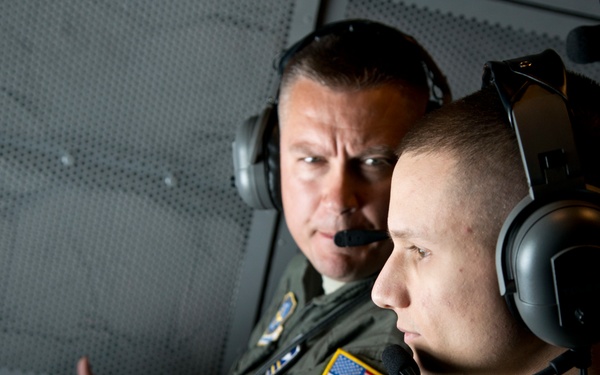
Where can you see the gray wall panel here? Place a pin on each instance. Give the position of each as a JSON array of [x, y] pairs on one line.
[[121, 234]]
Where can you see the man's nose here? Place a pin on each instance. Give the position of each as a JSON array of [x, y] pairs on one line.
[[340, 193], [390, 290]]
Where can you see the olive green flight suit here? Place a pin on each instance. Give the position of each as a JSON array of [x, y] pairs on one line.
[[364, 331]]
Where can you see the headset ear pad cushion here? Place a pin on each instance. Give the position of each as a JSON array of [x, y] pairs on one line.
[[273, 164], [548, 263], [255, 157]]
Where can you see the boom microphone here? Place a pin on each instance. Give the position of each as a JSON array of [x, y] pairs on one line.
[[398, 361], [583, 44], [358, 237]]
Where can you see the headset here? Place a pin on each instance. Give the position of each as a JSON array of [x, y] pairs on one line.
[[256, 144], [548, 250]]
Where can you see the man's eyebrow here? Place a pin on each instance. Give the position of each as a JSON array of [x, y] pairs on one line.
[[400, 234], [302, 147], [307, 147], [379, 149]]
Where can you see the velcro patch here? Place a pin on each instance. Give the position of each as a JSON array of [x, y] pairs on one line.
[[344, 363], [273, 331]]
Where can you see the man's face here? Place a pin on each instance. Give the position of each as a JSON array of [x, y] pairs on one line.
[[337, 157], [441, 280]]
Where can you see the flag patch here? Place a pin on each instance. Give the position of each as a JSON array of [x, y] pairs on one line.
[[344, 363]]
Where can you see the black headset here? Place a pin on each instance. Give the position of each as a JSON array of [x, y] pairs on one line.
[[548, 250], [256, 144]]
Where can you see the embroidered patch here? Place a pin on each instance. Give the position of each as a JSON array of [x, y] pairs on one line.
[[344, 363], [286, 309], [284, 361]]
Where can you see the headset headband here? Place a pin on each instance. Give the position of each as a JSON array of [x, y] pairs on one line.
[[440, 90], [534, 88]]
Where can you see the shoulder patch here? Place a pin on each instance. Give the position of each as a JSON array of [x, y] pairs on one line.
[[273, 331], [344, 363]]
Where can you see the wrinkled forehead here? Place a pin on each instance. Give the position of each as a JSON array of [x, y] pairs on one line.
[[414, 95]]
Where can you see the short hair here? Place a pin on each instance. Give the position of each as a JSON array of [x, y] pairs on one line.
[[359, 55], [489, 173]]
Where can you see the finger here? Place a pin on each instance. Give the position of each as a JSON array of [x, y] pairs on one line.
[[83, 367]]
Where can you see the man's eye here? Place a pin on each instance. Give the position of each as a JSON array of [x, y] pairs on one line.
[[311, 159], [378, 162], [421, 253]]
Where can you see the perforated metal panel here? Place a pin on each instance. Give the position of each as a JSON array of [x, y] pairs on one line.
[[461, 45], [121, 234]]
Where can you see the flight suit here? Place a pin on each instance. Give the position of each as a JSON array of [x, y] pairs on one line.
[[299, 304]]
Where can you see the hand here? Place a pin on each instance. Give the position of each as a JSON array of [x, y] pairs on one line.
[[83, 367]]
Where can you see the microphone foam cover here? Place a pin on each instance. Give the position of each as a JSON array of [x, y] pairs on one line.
[[398, 361]]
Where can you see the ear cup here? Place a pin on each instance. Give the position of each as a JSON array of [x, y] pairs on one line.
[[548, 250], [548, 263], [256, 159]]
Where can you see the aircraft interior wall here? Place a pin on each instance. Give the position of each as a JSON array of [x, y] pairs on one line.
[[122, 236]]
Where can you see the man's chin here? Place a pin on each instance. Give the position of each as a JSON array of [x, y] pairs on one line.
[[430, 364], [341, 264], [335, 272], [340, 277]]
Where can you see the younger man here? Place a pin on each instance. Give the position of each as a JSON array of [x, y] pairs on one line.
[[458, 177]]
